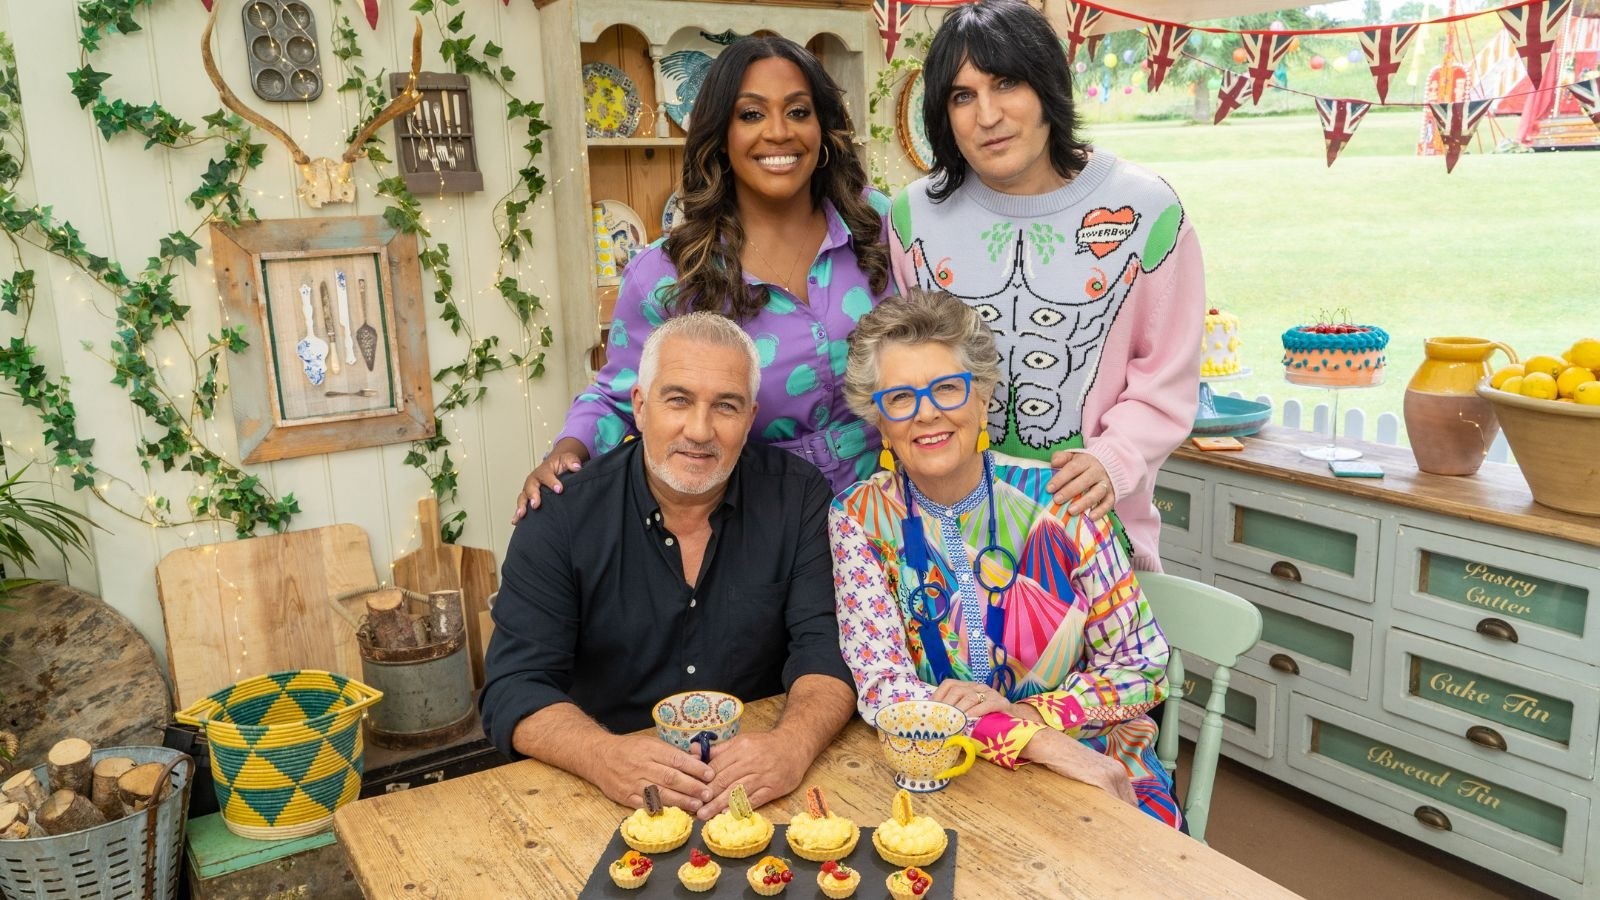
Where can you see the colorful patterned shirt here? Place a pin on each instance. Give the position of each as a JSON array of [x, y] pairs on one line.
[[1080, 640], [802, 345]]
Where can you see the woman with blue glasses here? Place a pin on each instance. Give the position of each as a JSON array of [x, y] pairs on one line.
[[960, 579]]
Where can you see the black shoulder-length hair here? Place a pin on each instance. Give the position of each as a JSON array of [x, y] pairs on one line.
[[705, 246], [1007, 38]]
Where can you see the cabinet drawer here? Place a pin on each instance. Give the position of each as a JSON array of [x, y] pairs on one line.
[[1492, 707], [1303, 640], [1181, 502], [1469, 807], [1499, 595], [1249, 711], [1181, 569], [1296, 542]]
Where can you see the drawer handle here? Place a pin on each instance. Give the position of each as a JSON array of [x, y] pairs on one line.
[[1499, 629], [1284, 663], [1432, 818], [1484, 736], [1286, 570]]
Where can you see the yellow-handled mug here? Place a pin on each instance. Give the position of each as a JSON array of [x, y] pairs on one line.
[[921, 739]]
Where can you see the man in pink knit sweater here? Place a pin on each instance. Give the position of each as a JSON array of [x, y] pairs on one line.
[[1084, 265]]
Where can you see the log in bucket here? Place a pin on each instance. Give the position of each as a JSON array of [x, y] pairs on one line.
[[427, 689]]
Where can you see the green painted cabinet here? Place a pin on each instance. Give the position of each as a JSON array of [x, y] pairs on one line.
[[1430, 648]]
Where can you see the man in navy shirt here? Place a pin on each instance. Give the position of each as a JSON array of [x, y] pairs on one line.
[[688, 559]]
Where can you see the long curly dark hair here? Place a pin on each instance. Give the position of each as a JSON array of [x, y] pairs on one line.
[[999, 37], [705, 247]]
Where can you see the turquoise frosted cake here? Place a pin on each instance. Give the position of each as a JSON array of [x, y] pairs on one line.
[[1334, 355]]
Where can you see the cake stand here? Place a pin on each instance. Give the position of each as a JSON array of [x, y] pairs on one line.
[[1208, 405], [1332, 451]]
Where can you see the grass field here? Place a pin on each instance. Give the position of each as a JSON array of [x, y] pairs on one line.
[[1507, 247]]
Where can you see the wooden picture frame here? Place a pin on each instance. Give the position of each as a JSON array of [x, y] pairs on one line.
[[280, 279]]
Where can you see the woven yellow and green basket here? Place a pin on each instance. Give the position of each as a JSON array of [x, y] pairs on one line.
[[285, 749]]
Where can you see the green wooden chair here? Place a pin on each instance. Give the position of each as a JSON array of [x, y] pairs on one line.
[[1213, 624]]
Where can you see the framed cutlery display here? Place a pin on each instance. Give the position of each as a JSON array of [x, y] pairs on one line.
[[334, 321], [435, 144]]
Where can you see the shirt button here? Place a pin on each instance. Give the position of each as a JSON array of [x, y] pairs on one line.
[[669, 542], [812, 279], [692, 602], [690, 670]]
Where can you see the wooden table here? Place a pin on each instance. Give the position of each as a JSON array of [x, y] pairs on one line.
[[528, 830]]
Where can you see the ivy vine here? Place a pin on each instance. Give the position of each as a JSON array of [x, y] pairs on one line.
[[906, 63], [146, 306]]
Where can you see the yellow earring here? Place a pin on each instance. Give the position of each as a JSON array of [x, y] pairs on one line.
[[886, 459], [983, 440]]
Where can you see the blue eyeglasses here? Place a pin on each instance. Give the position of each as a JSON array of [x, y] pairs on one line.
[[946, 392]]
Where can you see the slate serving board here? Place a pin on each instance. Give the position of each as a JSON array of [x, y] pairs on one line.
[[664, 880]]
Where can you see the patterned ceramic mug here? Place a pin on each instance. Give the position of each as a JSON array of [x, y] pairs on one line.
[[697, 718], [922, 739]]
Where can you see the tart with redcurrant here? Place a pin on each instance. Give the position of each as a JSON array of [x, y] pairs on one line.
[[700, 873], [632, 870], [769, 876], [838, 880], [909, 883]]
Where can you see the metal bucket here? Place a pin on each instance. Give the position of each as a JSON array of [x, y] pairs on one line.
[[427, 692]]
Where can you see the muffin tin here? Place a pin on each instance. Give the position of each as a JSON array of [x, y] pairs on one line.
[[280, 38]]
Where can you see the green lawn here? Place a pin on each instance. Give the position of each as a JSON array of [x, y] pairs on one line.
[[1507, 247]]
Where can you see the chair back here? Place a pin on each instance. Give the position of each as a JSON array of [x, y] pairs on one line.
[[1215, 625]]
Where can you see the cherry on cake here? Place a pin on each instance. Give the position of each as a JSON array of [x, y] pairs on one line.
[[1334, 355]]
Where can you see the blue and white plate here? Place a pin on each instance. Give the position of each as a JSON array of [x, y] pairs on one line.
[[913, 131], [683, 68], [671, 213]]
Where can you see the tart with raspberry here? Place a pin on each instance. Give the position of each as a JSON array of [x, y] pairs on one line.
[[838, 880], [700, 873], [769, 876], [909, 883], [632, 870]]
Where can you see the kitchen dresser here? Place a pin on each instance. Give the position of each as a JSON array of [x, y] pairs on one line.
[[1430, 649]]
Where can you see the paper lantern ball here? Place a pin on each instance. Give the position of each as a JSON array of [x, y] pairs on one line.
[[1214, 84], [1239, 56], [1110, 60], [1128, 89], [1341, 63], [1127, 56], [1354, 56], [1080, 67], [1294, 44], [1277, 25], [1093, 91], [1216, 43], [1196, 41], [1317, 63]]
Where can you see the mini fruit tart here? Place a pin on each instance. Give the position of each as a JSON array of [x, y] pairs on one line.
[[837, 880], [700, 873], [819, 835], [908, 883], [769, 876], [632, 870], [907, 839], [656, 828]]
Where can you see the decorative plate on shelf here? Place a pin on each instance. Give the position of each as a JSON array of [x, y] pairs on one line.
[[671, 213], [913, 131], [683, 68], [618, 234], [610, 102]]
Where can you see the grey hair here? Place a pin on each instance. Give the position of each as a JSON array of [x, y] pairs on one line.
[[705, 328], [918, 317]]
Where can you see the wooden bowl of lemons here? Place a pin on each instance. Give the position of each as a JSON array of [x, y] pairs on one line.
[[1554, 442]]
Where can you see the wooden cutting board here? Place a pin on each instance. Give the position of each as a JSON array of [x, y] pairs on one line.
[[244, 608], [437, 566]]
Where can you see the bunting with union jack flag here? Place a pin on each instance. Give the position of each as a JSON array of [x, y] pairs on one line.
[[1231, 96], [1165, 41], [1457, 122], [1534, 30], [892, 17], [1339, 121], [1263, 50], [1386, 49], [1588, 94], [1080, 18]]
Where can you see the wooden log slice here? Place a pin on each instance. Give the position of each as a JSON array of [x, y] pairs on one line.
[[66, 812], [136, 786], [24, 788], [13, 821], [388, 622], [445, 618], [104, 793], [71, 766]]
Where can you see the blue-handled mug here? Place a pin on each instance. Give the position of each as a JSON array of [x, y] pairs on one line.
[[697, 718]]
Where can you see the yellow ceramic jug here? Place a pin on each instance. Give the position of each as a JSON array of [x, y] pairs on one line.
[[1450, 426]]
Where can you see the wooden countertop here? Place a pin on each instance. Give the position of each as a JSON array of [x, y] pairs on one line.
[[530, 830], [1497, 494]]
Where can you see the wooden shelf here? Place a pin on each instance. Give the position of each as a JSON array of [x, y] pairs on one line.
[[647, 141]]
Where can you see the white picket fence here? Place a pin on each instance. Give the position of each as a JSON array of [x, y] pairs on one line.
[[1386, 430]]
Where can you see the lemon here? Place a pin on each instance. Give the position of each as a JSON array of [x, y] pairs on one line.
[[1539, 386], [1568, 380], [1512, 385], [1588, 393], [1549, 365], [1586, 353], [1501, 374]]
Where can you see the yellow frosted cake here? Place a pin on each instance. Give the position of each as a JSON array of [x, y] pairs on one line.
[[1219, 345], [907, 839], [738, 831]]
